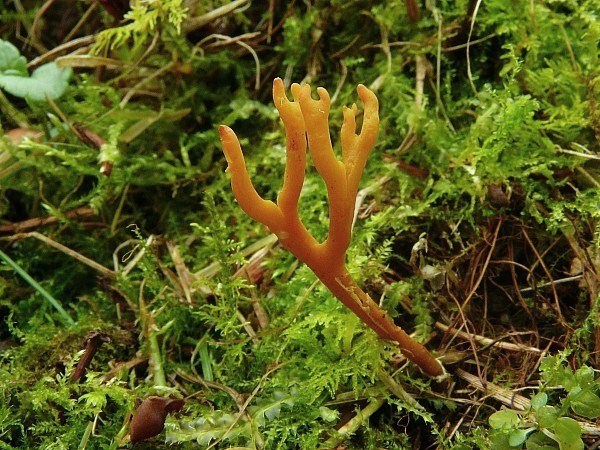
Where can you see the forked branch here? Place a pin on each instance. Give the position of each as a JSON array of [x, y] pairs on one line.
[[307, 121]]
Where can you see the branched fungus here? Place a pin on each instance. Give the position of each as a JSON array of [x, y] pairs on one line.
[[306, 121]]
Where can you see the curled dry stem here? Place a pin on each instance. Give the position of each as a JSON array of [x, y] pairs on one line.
[[307, 125]]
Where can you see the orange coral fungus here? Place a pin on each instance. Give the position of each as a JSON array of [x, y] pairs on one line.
[[306, 121]]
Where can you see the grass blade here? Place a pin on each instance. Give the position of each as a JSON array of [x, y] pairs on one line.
[[34, 284]]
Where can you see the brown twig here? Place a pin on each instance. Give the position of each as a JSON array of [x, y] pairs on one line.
[[507, 397], [63, 248], [513, 275], [498, 343], [51, 54], [80, 213]]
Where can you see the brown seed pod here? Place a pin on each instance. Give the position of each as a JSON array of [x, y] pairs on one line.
[[149, 418]]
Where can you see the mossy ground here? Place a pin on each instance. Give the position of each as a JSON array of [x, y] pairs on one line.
[[479, 230]]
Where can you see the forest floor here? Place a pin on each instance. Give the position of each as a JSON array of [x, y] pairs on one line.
[[131, 279]]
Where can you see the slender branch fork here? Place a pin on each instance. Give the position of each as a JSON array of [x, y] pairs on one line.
[[306, 123]]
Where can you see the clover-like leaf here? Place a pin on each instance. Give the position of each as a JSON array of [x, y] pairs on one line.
[[47, 80], [11, 61]]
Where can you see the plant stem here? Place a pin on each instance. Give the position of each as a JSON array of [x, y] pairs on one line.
[[150, 333], [13, 113], [395, 388], [157, 368], [86, 436], [353, 424]]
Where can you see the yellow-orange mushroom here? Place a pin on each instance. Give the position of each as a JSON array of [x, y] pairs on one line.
[[306, 122]]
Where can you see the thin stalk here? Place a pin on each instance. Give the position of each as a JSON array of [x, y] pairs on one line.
[[86, 436], [395, 388], [157, 367], [34, 284], [353, 424], [13, 113], [151, 333], [205, 361], [196, 22], [66, 250]]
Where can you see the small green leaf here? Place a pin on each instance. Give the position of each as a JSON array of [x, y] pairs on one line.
[[11, 61], [547, 416], [586, 404], [539, 441], [204, 430], [504, 420], [568, 434], [328, 414], [96, 401], [499, 441], [539, 400], [517, 438], [269, 409], [48, 80], [585, 376], [556, 372]]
